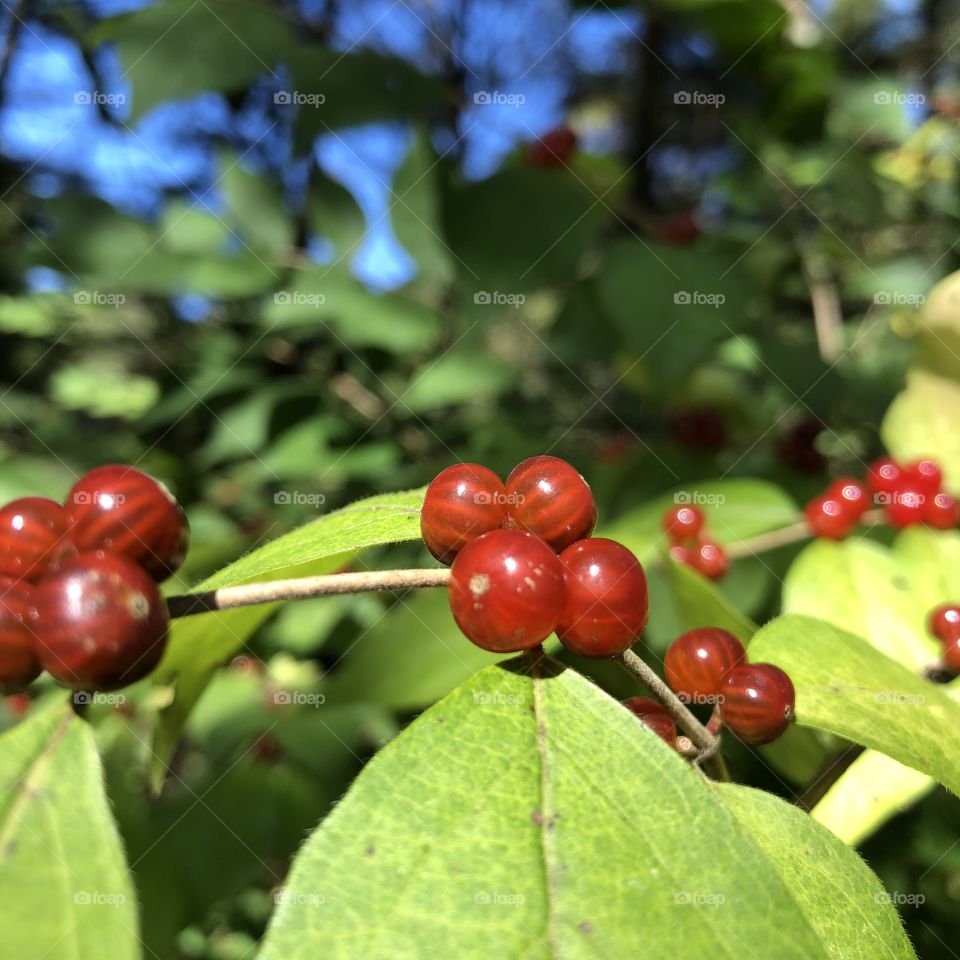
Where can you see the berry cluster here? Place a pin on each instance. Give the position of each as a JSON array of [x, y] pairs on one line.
[[524, 564], [908, 493], [754, 701], [78, 593], [691, 543], [944, 624]]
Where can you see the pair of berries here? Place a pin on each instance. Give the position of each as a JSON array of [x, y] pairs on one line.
[[691, 544], [909, 494], [755, 701], [524, 563], [78, 594], [944, 624]]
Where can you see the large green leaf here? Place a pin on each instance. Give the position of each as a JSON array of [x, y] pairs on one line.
[[846, 686], [700, 603], [859, 586], [66, 890], [477, 833]]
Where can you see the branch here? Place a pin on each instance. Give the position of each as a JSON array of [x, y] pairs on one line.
[[792, 533], [17, 13], [334, 584], [708, 744]]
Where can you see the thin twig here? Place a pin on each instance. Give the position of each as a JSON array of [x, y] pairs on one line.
[[334, 584], [17, 12], [709, 746], [792, 533]]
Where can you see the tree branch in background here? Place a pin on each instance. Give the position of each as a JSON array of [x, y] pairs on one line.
[[17, 13]]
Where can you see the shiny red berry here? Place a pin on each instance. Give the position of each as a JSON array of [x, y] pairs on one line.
[[905, 507], [885, 475], [606, 606], [548, 498], [698, 661], [758, 702], [100, 622], [653, 715], [507, 591], [710, 559], [33, 538], [462, 502], [19, 664], [925, 475], [852, 495], [828, 517], [683, 522], [120, 509], [944, 622], [941, 511]]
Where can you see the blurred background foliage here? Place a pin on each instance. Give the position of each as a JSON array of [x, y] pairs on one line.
[[287, 254]]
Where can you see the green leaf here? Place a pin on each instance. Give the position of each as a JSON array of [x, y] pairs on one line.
[[846, 686], [256, 209], [858, 586], [66, 890], [476, 833], [931, 558], [837, 892], [333, 212], [700, 603], [460, 376]]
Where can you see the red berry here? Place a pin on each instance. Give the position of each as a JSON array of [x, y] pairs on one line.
[[798, 447], [709, 559], [925, 475], [944, 622], [462, 502], [698, 661], [120, 509], [905, 506], [33, 538], [506, 591], [699, 428], [828, 517], [679, 554], [758, 702], [885, 475], [951, 654], [653, 715], [547, 497], [553, 148], [19, 665], [683, 522], [941, 511], [100, 622], [852, 495], [606, 606]]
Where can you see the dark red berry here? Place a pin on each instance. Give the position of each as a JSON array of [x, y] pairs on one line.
[[699, 428], [905, 507], [828, 517], [683, 522], [553, 149], [678, 231], [944, 622], [548, 498], [33, 538], [606, 606], [758, 702], [798, 446], [885, 475], [652, 714], [19, 664], [507, 591], [709, 559], [925, 475], [100, 622], [462, 502], [951, 654], [852, 495], [941, 511], [120, 509], [698, 661]]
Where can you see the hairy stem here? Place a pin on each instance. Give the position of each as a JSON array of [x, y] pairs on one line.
[[792, 533]]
